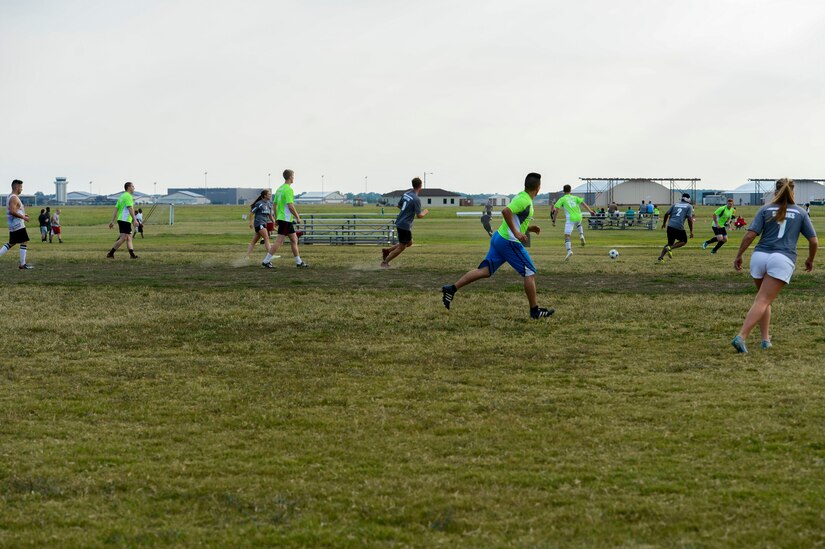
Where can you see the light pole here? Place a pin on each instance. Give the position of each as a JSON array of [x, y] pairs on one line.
[[424, 183], [365, 187], [269, 181], [322, 186], [156, 191], [90, 187], [205, 185]]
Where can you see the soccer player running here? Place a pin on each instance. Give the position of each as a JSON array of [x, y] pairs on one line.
[[285, 214], [411, 210], [675, 220], [570, 203], [124, 214], [507, 245], [16, 218], [260, 216], [774, 258], [721, 219]]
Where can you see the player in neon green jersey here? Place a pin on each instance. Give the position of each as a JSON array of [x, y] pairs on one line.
[[721, 220], [287, 217], [570, 204], [125, 215]]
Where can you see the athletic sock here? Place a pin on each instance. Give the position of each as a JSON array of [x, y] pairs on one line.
[[710, 241], [567, 245], [581, 229], [298, 260], [112, 251], [132, 253], [23, 250], [6, 247], [453, 289], [268, 258], [718, 245]]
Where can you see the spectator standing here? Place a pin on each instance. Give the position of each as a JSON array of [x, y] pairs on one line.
[[56, 226]]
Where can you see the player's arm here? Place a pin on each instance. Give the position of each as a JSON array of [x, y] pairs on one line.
[[589, 209], [422, 213], [746, 242], [134, 216], [690, 224], [554, 213], [292, 209], [114, 216], [813, 246], [507, 214], [664, 219]]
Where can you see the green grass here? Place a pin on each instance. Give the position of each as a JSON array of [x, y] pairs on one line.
[[191, 399]]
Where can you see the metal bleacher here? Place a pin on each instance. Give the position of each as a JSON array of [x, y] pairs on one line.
[[336, 229]]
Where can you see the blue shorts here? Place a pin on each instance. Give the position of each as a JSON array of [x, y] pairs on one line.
[[514, 253]]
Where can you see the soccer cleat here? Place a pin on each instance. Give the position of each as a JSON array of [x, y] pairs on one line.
[[712, 252], [267, 265], [670, 252], [582, 240], [660, 260], [25, 266], [385, 265], [569, 255], [766, 344], [447, 295], [542, 313], [110, 255], [705, 246], [739, 344], [133, 256], [302, 265], [384, 253]]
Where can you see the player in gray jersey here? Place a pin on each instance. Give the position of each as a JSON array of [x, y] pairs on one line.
[[411, 210], [774, 258], [260, 213], [675, 219]]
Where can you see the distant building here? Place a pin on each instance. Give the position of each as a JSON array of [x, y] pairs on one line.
[[224, 195], [320, 198], [140, 198], [429, 197], [60, 189], [181, 198], [499, 200], [82, 197]]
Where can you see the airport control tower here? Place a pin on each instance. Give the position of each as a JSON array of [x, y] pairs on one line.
[[60, 184]]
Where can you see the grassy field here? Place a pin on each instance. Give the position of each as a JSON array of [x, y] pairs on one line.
[[190, 398]]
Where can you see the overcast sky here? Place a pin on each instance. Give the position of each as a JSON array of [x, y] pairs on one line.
[[477, 93]]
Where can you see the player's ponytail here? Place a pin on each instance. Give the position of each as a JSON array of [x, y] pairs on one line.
[[783, 197], [260, 197]]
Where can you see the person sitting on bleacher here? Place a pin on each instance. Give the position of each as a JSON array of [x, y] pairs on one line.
[[630, 215], [739, 223]]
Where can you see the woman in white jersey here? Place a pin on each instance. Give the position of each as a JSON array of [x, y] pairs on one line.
[[16, 218], [774, 258]]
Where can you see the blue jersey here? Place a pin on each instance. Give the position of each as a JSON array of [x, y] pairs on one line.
[[410, 206]]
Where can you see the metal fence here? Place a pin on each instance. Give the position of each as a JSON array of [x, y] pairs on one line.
[[349, 230]]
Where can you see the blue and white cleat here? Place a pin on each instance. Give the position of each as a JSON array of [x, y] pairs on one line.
[[766, 344], [739, 344]]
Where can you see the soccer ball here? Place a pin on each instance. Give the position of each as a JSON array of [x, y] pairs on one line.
[[614, 254]]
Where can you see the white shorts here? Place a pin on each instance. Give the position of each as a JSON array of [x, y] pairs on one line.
[[776, 265], [570, 225]]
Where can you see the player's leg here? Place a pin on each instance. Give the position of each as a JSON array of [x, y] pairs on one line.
[[580, 226], [6, 247], [759, 312], [130, 246], [485, 269], [293, 243], [263, 234], [24, 247], [404, 242], [255, 238], [568, 230], [721, 238]]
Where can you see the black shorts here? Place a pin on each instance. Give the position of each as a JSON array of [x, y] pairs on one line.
[[285, 228], [19, 236], [125, 227], [259, 228], [676, 235], [404, 236], [720, 230]]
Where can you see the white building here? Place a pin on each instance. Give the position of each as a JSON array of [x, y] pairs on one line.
[[630, 192], [140, 198], [429, 197], [320, 198], [499, 200], [183, 198], [81, 197]]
